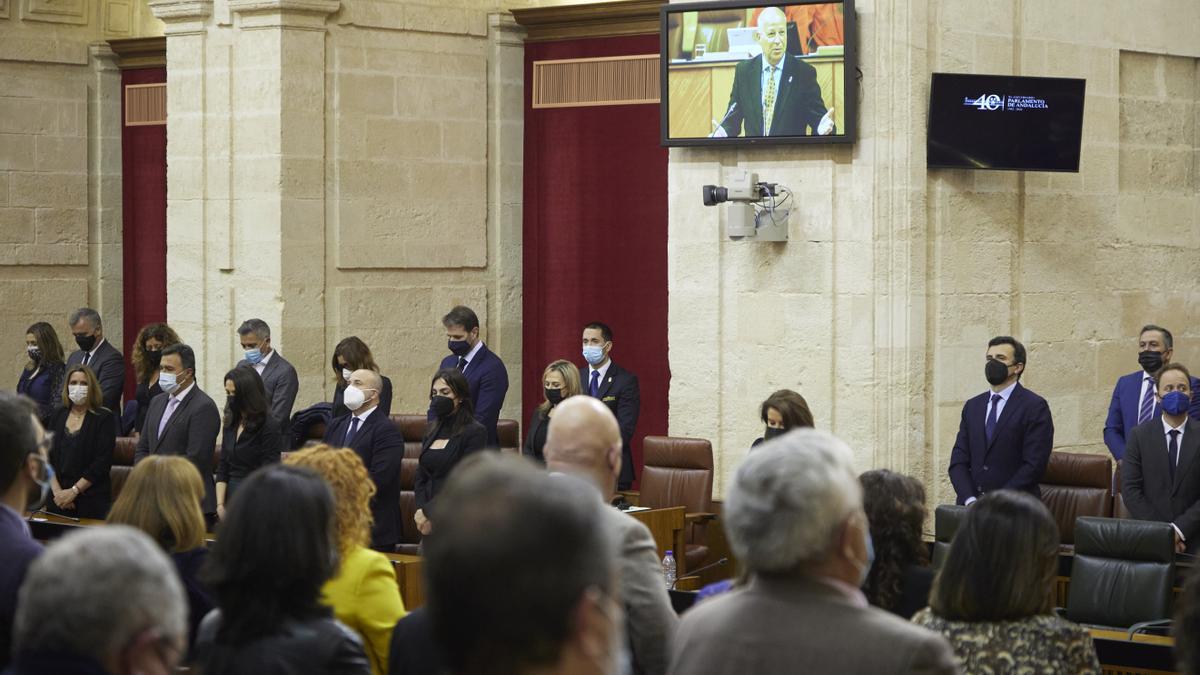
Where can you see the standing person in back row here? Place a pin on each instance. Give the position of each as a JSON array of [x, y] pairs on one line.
[[1133, 399], [485, 372], [98, 354], [278, 376], [1006, 433], [616, 388]]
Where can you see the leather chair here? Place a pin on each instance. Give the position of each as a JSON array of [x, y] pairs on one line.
[[1119, 510], [946, 520], [412, 428], [679, 472], [1123, 572], [122, 463], [1075, 485], [509, 433]]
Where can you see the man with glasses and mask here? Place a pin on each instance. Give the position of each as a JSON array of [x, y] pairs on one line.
[[24, 485], [1133, 398], [1006, 433], [98, 354]]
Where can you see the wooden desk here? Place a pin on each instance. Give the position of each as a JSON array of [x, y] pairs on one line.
[[666, 526], [1143, 655], [408, 575]]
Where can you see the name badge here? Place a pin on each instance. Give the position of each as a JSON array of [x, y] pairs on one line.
[[439, 444]]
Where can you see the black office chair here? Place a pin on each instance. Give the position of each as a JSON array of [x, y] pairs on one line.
[[946, 519], [1123, 574]]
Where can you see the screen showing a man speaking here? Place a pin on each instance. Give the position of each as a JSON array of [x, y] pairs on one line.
[[756, 72]]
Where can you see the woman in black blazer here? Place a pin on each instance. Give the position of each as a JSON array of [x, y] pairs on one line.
[[85, 434], [353, 354], [453, 435], [560, 381], [251, 437]]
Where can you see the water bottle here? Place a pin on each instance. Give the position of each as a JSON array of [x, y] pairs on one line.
[[669, 569]]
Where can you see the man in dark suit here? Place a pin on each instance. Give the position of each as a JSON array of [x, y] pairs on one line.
[[485, 372], [278, 376], [775, 93], [1160, 475], [23, 479], [369, 432], [98, 354], [1134, 401], [616, 387], [183, 420], [1006, 433]]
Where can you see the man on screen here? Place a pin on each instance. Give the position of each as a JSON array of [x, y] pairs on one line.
[[775, 94]]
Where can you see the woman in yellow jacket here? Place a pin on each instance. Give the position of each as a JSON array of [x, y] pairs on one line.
[[364, 595]]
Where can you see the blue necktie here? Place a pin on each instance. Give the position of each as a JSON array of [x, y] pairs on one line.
[[353, 430], [594, 387], [1147, 408], [990, 427], [1173, 452]]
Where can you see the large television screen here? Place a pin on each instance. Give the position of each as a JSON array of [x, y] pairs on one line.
[[1004, 122], [737, 72]]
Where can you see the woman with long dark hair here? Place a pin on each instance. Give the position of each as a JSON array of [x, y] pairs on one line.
[[454, 434], [42, 377], [147, 351], [353, 354], [274, 552], [251, 438], [900, 577], [783, 411]]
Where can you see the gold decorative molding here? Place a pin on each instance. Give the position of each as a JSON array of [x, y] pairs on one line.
[[600, 19], [140, 52], [607, 80]]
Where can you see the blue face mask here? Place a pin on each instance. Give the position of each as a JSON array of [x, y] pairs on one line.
[[168, 382], [593, 354], [866, 571], [253, 356], [1175, 403]]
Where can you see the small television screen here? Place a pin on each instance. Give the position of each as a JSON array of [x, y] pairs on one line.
[[736, 73], [1004, 122]]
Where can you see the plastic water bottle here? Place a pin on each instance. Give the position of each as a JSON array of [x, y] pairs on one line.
[[669, 569]]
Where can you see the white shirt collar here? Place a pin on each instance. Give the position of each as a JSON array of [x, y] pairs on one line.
[[766, 65], [603, 370], [474, 350], [362, 417], [266, 358], [1004, 393], [96, 348], [180, 395], [1167, 428]]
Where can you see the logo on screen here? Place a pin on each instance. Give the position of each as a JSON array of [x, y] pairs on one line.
[[985, 102]]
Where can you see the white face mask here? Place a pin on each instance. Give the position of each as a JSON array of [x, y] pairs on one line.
[[77, 393], [346, 374], [354, 397]]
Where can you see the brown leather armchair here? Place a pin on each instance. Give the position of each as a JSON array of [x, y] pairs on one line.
[[1118, 502], [122, 463], [1075, 485], [509, 433], [679, 472], [412, 428]]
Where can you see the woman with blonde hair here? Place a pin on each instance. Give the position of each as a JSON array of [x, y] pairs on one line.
[[364, 594], [560, 381], [162, 498], [85, 433]]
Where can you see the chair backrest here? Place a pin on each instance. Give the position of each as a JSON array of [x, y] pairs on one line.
[[122, 464], [678, 472], [1123, 572], [509, 433], [1077, 484], [1119, 510], [412, 428], [946, 520]]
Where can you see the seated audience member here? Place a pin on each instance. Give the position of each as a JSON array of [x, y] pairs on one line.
[[279, 377], [98, 354], [794, 518], [85, 434], [367, 431], [993, 596], [251, 438], [41, 378], [900, 576], [585, 440], [162, 498], [1160, 479], [560, 381], [24, 485], [454, 434], [1187, 627], [276, 549], [781, 412], [100, 600], [364, 594], [147, 350], [519, 579], [353, 354]]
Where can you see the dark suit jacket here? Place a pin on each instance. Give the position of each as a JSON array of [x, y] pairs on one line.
[[45, 389], [1146, 483], [798, 103], [91, 459], [1125, 406], [241, 455], [1017, 456], [18, 550], [535, 440], [414, 651], [431, 476], [191, 432], [381, 448], [620, 392], [488, 379], [280, 380], [385, 400], [109, 368]]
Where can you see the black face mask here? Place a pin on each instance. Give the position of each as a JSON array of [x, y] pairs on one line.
[[85, 342], [442, 406], [458, 347], [231, 402], [995, 372], [152, 359], [773, 432], [555, 396], [1151, 362], [35, 355]]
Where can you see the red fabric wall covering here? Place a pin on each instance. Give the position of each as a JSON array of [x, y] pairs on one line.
[[595, 234], [144, 211]]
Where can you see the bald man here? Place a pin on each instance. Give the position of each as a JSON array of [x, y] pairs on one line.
[[372, 435], [585, 440]]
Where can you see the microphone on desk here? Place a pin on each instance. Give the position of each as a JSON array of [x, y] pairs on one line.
[[47, 513], [705, 568]]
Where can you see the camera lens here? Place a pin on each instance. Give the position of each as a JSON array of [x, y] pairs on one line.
[[714, 194]]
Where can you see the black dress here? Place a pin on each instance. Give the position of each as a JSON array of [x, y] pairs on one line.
[[87, 454], [242, 453]]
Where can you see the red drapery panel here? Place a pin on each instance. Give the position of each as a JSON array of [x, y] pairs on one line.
[[595, 234]]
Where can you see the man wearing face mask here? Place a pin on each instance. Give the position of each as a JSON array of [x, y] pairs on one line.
[[485, 372], [616, 388], [278, 376], [1160, 474], [1134, 398], [24, 484], [183, 420], [98, 354], [1006, 433], [368, 432]]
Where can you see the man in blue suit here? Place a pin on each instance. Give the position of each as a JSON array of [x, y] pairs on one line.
[[1006, 433], [1133, 400], [484, 370]]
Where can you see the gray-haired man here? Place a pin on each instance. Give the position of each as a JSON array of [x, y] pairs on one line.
[[98, 354]]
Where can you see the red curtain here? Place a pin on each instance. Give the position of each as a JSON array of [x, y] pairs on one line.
[[595, 234], [144, 209]]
